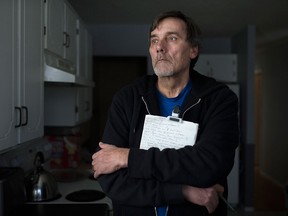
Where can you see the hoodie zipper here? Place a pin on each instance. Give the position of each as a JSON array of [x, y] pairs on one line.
[[146, 105], [199, 100]]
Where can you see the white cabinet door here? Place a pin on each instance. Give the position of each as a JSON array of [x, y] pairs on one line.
[[85, 103], [61, 31], [203, 65], [31, 70], [8, 64], [61, 107], [222, 67], [54, 25], [81, 104], [67, 106], [21, 71], [88, 103], [81, 47], [85, 52], [70, 34]]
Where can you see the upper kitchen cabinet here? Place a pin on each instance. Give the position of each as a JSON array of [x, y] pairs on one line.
[[21, 61], [67, 46], [222, 67], [61, 29], [85, 52], [70, 33]]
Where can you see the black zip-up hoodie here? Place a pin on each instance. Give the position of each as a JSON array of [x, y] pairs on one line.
[[154, 177]]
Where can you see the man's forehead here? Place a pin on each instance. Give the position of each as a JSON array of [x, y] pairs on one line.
[[170, 25]]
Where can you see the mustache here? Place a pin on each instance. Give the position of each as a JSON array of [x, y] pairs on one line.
[[161, 57]]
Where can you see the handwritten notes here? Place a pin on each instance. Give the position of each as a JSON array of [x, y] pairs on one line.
[[160, 132]]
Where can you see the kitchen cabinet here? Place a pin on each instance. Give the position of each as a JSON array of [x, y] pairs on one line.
[[70, 105], [21, 61], [8, 13], [61, 29], [68, 46], [84, 52], [85, 103], [222, 67], [68, 59], [67, 106]]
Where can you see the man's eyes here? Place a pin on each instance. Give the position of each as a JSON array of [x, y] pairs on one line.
[[156, 40], [172, 38]]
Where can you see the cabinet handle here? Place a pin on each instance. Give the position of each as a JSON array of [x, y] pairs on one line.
[[68, 41], [20, 117], [65, 39], [26, 115]]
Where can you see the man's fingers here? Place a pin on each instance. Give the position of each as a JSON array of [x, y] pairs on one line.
[[219, 188], [104, 145]]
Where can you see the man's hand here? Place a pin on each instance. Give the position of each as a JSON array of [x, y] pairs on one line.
[[109, 159], [207, 197]]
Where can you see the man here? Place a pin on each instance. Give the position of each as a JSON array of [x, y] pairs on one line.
[[184, 181]]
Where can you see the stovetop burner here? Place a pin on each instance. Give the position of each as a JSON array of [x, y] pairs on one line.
[[85, 196]]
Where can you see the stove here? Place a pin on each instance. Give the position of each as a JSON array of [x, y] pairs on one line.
[[79, 188], [82, 190], [70, 181]]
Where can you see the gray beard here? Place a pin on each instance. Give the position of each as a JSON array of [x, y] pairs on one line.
[[163, 73]]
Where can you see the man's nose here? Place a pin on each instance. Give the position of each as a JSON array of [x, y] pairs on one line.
[[161, 47], [160, 50]]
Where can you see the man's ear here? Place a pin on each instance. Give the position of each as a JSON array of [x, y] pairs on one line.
[[194, 50]]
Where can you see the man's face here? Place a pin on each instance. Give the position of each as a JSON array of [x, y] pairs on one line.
[[169, 49]]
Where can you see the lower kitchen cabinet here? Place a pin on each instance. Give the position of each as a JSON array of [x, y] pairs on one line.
[[67, 105], [21, 62]]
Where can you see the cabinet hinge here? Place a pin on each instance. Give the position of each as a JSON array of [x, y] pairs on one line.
[[77, 31], [44, 30]]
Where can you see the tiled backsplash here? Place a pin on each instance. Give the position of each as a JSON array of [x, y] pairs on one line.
[[23, 155]]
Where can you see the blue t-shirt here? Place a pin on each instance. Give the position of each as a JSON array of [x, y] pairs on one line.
[[167, 104], [166, 107]]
